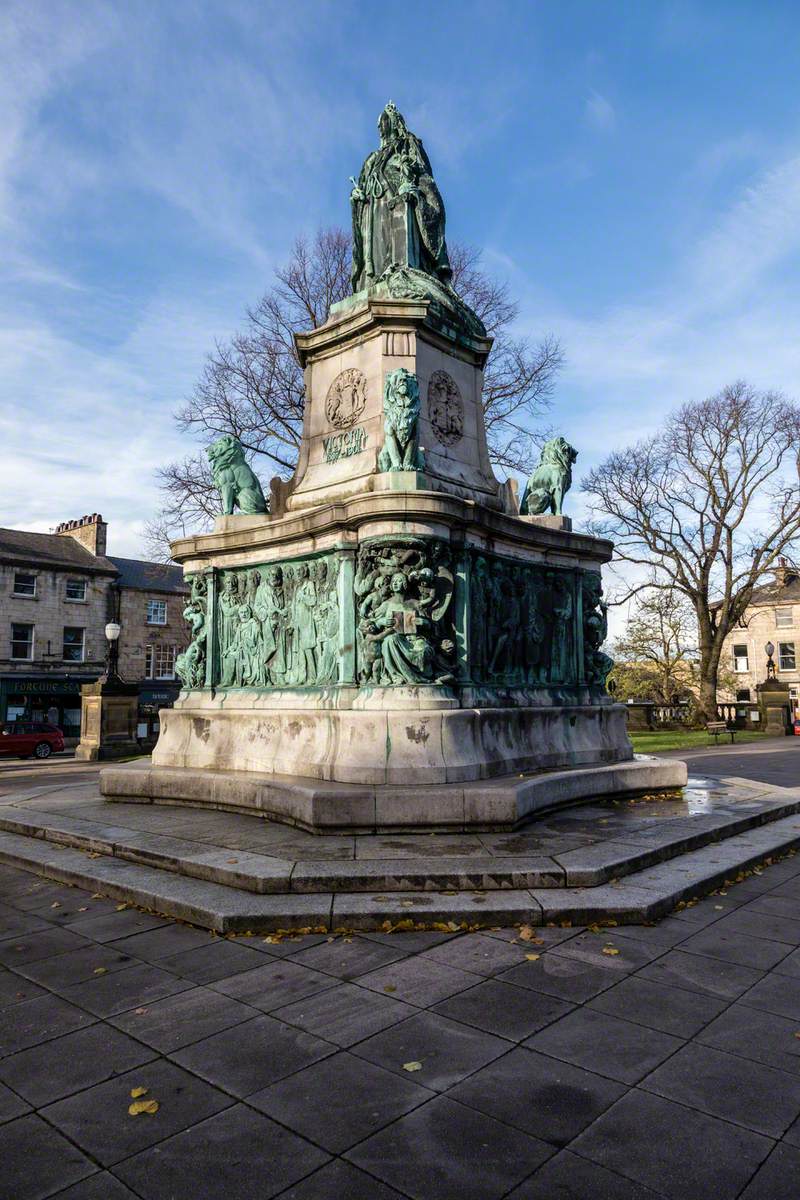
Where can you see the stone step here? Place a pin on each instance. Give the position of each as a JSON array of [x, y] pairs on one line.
[[588, 866], [644, 896]]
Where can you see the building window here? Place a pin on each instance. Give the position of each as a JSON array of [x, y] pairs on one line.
[[786, 656], [73, 644], [24, 585], [743, 695], [784, 618], [740, 663], [22, 641], [159, 661], [156, 612], [76, 589]]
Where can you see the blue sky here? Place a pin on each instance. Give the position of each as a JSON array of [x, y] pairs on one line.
[[632, 169]]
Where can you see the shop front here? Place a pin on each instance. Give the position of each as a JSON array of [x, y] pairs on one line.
[[151, 699], [51, 698]]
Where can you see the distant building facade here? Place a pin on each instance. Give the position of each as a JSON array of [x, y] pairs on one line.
[[773, 616], [57, 593]]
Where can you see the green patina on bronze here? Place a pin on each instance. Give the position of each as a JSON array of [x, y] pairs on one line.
[[400, 451], [278, 625], [550, 481], [403, 611], [399, 244], [237, 484], [522, 623], [190, 666], [404, 603]]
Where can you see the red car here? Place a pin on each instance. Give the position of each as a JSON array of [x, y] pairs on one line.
[[26, 739]]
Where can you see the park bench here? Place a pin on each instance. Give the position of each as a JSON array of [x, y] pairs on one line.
[[718, 727]]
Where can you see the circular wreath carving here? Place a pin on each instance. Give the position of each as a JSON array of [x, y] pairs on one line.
[[346, 398], [445, 408]]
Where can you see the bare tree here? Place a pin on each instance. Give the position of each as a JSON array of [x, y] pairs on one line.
[[653, 659], [708, 505], [252, 386]]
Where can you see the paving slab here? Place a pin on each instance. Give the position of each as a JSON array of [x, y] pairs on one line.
[[196, 1162], [444, 1148]]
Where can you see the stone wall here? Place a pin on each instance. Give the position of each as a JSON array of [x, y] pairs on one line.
[[49, 611], [136, 634]]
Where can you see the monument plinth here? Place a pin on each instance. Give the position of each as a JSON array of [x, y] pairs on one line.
[[394, 624]]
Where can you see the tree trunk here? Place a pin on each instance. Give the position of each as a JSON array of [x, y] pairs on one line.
[[709, 670]]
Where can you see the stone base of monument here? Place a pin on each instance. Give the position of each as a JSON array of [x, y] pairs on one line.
[[503, 803], [611, 860]]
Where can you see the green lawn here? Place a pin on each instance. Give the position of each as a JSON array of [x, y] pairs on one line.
[[682, 739]]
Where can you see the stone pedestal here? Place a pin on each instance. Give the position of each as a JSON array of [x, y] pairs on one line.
[[109, 714], [775, 706], [395, 630]]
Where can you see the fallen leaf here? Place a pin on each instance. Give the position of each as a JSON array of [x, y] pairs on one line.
[[412, 1066], [140, 1011], [56, 904], [84, 909], [610, 950], [138, 1091], [231, 860], [719, 907], [390, 988], [143, 1106], [99, 970], [527, 933], [120, 907], [532, 957]]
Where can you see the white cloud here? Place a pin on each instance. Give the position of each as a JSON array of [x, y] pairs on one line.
[[600, 113]]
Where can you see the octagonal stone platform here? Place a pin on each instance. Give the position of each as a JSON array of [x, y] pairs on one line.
[[624, 860]]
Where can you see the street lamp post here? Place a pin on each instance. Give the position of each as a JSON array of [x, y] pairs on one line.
[[769, 650], [109, 709]]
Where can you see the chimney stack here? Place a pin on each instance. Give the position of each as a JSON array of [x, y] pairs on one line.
[[90, 531], [784, 573]]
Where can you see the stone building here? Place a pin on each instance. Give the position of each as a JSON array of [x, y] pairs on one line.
[[57, 593], [773, 616]]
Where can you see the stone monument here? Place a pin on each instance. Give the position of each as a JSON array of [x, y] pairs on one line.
[[393, 645]]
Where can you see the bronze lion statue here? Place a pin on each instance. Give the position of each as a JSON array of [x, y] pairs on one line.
[[401, 450], [238, 486], [550, 481]]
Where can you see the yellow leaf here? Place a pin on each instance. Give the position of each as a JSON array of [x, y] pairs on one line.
[[120, 907], [532, 957], [527, 933], [100, 970], [610, 950], [143, 1106], [84, 909], [56, 904], [390, 988], [138, 1091], [412, 1066], [231, 860]]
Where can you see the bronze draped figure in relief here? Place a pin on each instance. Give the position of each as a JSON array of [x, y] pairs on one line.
[[278, 625], [190, 666], [521, 624], [404, 594], [597, 664]]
